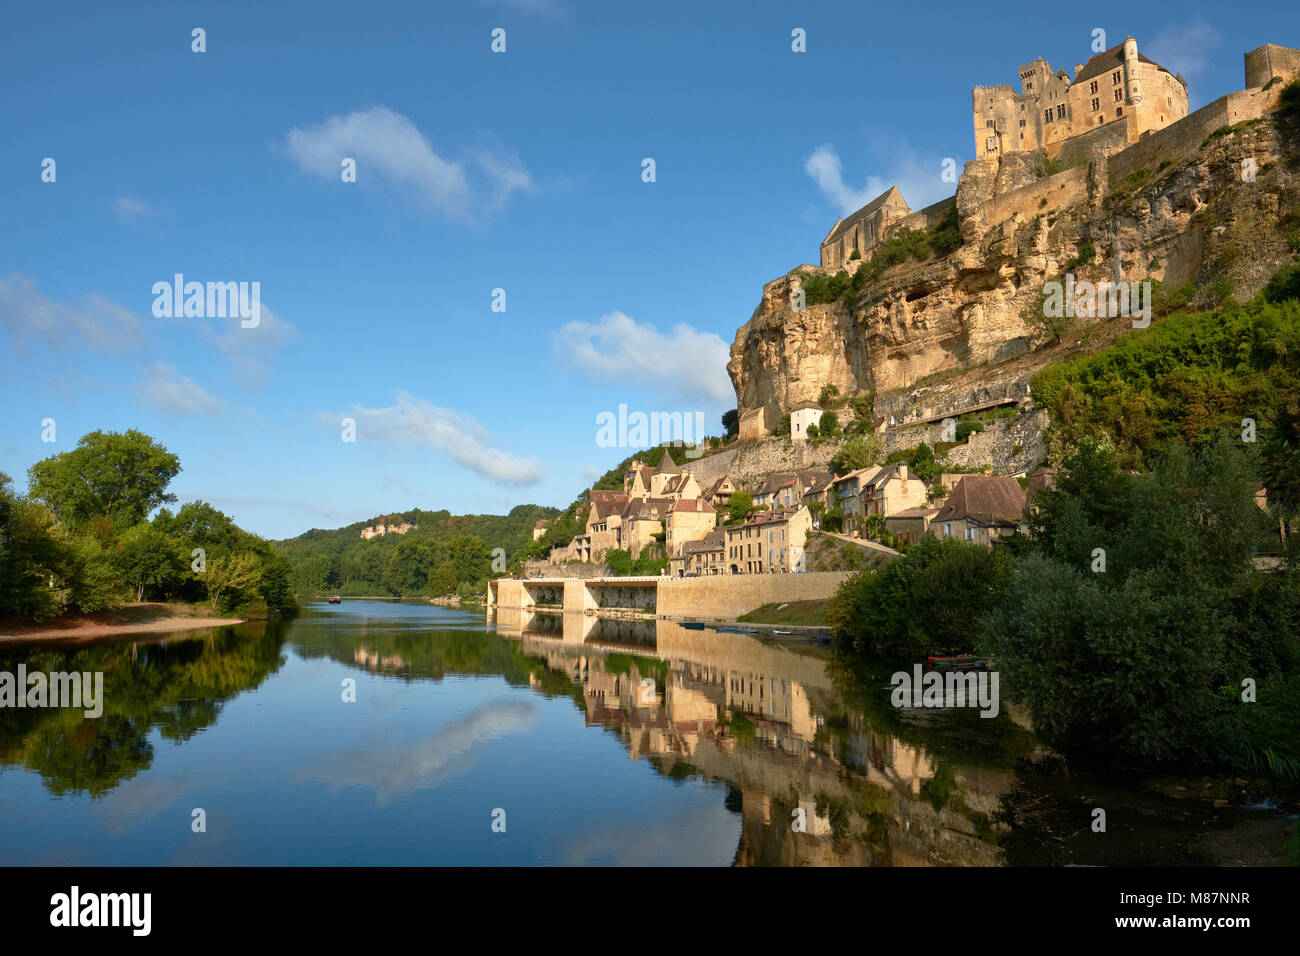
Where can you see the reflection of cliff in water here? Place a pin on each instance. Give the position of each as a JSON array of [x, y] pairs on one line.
[[175, 686], [769, 721]]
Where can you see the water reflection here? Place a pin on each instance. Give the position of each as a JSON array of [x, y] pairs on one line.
[[694, 747]]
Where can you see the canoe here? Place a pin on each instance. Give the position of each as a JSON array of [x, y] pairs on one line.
[[962, 662], [730, 629]]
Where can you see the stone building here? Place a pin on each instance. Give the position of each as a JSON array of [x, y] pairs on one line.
[[702, 557], [768, 542], [863, 230], [981, 509], [688, 519], [1119, 84], [801, 416]]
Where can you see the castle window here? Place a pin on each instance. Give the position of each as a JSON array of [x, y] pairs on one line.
[[1022, 126], [1119, 96], [1048, 116], [988, 124], [1060, 111], [1114, 77], [1092, 87], [1096, 104], [1119, 111]]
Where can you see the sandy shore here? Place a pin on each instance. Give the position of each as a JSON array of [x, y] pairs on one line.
[[144, 618]]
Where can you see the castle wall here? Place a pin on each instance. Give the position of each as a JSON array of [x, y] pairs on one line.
[[1184, 139], [1096, 143], [1061, 191], [1271, 60], [926, 218]]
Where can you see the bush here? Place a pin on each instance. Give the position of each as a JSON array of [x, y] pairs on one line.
[[1285, 284], [926, 602]]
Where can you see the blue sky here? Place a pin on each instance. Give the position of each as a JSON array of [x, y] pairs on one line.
[[476, 171]]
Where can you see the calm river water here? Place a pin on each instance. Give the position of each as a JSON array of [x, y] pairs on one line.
[[543, 739]]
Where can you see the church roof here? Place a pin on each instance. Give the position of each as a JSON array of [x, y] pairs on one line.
[[666, 465], [867, 210]]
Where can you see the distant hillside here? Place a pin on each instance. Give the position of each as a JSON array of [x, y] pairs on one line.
[[442, 554]]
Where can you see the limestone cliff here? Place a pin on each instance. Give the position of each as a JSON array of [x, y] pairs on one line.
[[1209, 200]]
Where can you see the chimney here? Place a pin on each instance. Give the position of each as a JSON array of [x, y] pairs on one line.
[[1078, 68], [902, 472]]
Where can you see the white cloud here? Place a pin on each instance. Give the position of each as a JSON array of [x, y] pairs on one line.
[[390, 149], [167, 390], [128, 208], [30, 315], [416, 422], [920, 180], [686, 362], [1184, 48], [249, 350]]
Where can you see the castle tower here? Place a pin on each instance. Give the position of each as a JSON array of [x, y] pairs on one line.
[[1131, 71]]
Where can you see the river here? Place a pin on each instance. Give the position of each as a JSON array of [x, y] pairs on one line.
[[398, 733]]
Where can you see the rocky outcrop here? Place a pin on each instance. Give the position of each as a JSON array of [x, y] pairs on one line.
[[1176, 207]]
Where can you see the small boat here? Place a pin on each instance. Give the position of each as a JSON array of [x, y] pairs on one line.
[[777, 631], [693, 625], [823, 638], [961, 662], [336, 600], [732, 629]]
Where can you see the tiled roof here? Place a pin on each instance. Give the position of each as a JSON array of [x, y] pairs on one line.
[[713, 541], [984, 496], [1108, 60], [698, 505]]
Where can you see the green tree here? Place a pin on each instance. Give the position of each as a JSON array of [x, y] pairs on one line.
[[861, 451], [32, 554], [741, 504], [149, 560], [830, 424], [731, 423], [120, 477], [929, 601], [229, 574]]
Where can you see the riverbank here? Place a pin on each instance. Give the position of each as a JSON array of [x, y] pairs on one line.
[[145, 617]]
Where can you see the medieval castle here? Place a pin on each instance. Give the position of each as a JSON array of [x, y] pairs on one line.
[[1053, 144], [1117, 98]]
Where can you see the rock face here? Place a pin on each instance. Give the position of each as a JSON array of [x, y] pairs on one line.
[[1176, 207]]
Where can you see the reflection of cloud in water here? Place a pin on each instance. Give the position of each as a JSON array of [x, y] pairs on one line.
[[399, 769], [699, 836]]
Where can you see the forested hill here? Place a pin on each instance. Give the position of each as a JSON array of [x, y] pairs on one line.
[[440, 554]]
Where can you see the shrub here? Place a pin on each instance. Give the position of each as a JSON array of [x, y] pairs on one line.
[[1285, 284]]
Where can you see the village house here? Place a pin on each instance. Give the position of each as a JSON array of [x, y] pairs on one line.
[[982, 509], [877, 490], [702, 557], [540, 528], [688, 519], [768, 542], [910, 524], [719, 493], [890, 490], [801, 416]]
